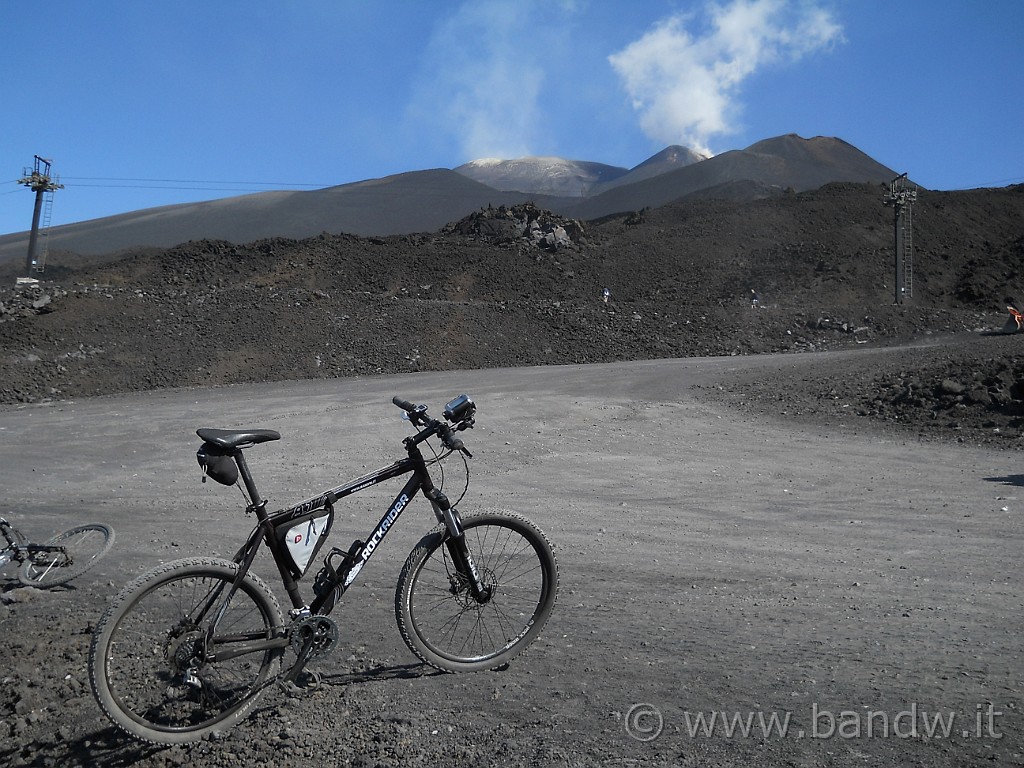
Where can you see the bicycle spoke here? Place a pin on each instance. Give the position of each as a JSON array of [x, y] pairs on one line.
[[158, 667], [66, 555], [451, 627]]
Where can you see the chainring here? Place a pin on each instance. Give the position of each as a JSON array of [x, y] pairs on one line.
[[320, 633]]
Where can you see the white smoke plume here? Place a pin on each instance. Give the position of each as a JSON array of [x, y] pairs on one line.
[[685, 85], [486, 73]]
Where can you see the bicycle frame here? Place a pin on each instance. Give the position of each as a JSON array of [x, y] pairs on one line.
[[19, 551], [363, 551], [358, 555], [11, 550]]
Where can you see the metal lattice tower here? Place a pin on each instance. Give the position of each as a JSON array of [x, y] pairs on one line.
[[38, 179], [902, 197]]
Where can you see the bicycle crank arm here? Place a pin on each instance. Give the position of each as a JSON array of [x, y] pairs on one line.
[[292, 688], [288, 681]]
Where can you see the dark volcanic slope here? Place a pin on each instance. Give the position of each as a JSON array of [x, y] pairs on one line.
[[378, 206], [423, 201], [210, 312], [786, 162]]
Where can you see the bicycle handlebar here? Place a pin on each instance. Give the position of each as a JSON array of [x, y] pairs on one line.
[[459, 411], [405, 405]]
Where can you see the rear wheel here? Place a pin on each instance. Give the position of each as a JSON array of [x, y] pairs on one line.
[[446, 626], [152, 668], [67, 555]]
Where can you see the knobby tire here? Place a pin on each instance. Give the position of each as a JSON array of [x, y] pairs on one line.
[[81, 548], [441, 621], [145, 664]]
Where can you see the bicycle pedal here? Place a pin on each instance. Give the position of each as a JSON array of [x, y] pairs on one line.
[[310, 684]]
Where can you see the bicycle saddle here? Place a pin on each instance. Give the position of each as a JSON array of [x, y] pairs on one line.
[[231, 439]]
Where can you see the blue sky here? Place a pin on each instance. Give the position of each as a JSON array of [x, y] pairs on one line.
[[143, 103]]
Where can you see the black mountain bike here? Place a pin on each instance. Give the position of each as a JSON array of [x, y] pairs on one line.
[[184, 650], [58, 560]]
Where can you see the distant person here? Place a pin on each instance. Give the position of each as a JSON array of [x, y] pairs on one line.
[[1016, 316], [755, 300], [606, 294]]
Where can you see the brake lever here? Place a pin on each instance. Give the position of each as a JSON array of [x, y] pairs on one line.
[[458, 445], [452, 442], [417, 416]]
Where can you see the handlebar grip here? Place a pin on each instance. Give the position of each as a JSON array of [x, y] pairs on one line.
[[453, 442], [405, 405]]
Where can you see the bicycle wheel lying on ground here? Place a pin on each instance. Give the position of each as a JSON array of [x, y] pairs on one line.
[[441, 621], [78, 550], [153, 671]]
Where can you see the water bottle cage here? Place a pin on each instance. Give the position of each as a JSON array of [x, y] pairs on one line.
[[325, 577], [328, 575]]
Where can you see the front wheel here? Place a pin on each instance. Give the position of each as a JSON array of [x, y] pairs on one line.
[[66, 555], [159, 672], [441, 620]]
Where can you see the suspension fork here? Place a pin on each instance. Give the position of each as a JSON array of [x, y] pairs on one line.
[[455, 542], [455, 537]]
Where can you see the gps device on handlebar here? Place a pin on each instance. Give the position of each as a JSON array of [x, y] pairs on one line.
[[460, 409]]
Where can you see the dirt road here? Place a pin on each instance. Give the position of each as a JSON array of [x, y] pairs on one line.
[[863, 591]]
